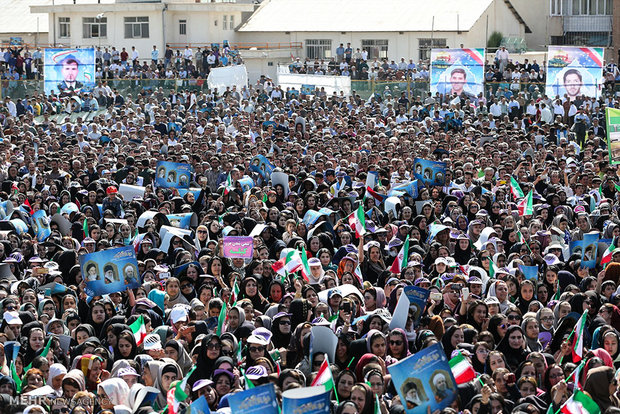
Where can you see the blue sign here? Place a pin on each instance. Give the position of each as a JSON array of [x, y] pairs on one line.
[[424, 380], [69, 71], [262, 165], [256, 400], [590, 250], [457, 72], [429, 172], [529, 272], [410, 187], [308, 400], [41, 225], [574, 71], [183, 220], [173, 175], [109, 271], [417, 301], [199, 406]]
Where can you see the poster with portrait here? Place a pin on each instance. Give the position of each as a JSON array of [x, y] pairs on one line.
[[429, 172], [183, 220], [574, 71], [255, 400], [173, 174], [457, 72], [41, 225], [424, 380], [109, 271], [261, 165], [612, 125], [68, 71], [411, 302], [590, 250]]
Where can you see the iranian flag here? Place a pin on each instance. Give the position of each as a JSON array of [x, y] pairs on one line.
[[305, 267], [401, 260], [324, 377], [235, 293], [580, 403], [221, 319], [176, 395], [357, 221], [492, 268], [515, 188], [139, 330], [379, 198], [290, 263], [578, 338], [526, 205], [461, 369], [229, 185], [607, 254], [358, 275]]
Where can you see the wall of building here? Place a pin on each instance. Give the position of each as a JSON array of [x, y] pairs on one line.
[[536, 15]]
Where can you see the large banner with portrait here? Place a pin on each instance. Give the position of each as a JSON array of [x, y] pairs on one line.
[[457, 71], [574, 71], [173, 174], [109, 271], [69, 70], [612, 124], [424, 379]]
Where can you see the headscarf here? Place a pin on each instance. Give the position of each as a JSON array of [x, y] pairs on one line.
[[56, 370], [84, 363], [597, 385], [117, 390], [183, 360]]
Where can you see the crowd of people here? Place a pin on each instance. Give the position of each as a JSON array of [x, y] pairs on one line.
[[66, 351]]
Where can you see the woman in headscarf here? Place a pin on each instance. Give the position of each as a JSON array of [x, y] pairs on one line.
[[398, 346], [210, 351], [374, 298], [176, 351], [54, 379], [281, 329], [513, 347], [531, 329], [601, 385], [249, 290], [90, 365], [462, 249], [169, 372], [526, 296], [112, 392], [451, 339]]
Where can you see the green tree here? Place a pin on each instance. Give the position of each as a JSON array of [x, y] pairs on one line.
[[495, 40]]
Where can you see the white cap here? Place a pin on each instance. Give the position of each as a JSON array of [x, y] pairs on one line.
[[152, 342], [12, 318], [178, 314]]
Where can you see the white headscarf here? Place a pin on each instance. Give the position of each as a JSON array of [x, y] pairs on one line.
[[56, 370], [117, 390]]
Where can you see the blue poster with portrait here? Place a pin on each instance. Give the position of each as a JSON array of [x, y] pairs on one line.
[[69, 71], [41, 225], [307, 400], [255, 400], [590, 250], [262, 165], [574, 71], [417, 301], [458, 72], [173, 174], [429, 172], [109, 271], [424, 380]]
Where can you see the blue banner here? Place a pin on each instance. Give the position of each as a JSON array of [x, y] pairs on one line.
[[109, 271], [41, 225], [199, 406], [246, 183], [308, 400], [574, 71], [262, 165], [457, 72], [410, 188], [590, 250], [256, 400], [417, 301], [173, 175], [183, 220], [424, 380], [429, 172], [529, 272], [69, 71]]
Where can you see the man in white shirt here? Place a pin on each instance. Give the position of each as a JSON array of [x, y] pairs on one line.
[[545, 114], [188, 55], [10, 106], [501, 56]]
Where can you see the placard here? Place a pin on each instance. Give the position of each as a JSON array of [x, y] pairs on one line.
[[69, 71], [173, 174], [109, 271], [238, 247], [429, 172]]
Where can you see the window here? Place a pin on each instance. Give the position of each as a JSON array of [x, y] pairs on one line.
[[318, 48], [93, 27], [232, 22], [225, 22], [590, 7], [136, 27], [64, 27], [425, 46], [377, 49], [183, 27]]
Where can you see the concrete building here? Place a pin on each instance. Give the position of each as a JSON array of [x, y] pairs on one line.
[[387, 28], [143, 23], [18, 23]]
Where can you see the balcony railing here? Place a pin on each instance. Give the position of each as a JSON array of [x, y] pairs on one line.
[[587, 24]]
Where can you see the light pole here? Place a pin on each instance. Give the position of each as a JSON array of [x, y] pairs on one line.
[[98, 18]]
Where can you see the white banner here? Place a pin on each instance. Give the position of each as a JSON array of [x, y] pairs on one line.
[[330, 83], [230, 76]]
